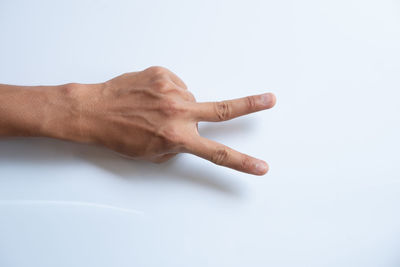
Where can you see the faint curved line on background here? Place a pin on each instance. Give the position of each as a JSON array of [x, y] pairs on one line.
[[69, 203]]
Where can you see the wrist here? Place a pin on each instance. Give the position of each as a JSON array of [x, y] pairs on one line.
[[48, 111], [65, 113]]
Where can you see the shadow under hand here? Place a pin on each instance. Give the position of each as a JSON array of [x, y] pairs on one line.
[[55, 152], [174, 170]]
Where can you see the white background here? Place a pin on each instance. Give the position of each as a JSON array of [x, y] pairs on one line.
[[332, 195]]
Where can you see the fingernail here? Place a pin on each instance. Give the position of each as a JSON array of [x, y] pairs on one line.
[[267, 99], [261, 167]]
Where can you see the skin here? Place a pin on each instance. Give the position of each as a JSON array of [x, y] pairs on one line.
[[148, 115]]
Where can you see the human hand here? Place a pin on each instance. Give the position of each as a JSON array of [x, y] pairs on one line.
[[151, 115]]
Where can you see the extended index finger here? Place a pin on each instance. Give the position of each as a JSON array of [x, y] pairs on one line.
[[229, 109]]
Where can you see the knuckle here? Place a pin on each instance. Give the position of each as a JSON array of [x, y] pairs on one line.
[[189, 96], [245, 163], [172, 136], [223, 110], [182, 94], [161, 85], [251, 102], [220, 156], [177, 91], [184, 86], [172, 107], [156, 70], [169, 107]]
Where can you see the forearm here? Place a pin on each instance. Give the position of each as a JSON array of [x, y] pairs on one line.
[[35, 111]]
